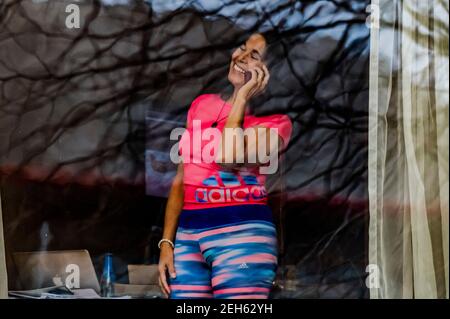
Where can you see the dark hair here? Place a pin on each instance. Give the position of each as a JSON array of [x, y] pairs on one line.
[[273, 46]]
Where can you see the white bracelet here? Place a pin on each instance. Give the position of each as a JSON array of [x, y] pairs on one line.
[[167, 241]]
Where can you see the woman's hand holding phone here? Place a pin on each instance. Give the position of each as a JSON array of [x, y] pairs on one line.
[[255, 82]]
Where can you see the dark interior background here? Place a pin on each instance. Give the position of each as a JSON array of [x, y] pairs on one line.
[[76, 133]]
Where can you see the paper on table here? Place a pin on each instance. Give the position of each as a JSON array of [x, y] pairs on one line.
[[63, 293], [38, 293], [82, 294], [77, 294], [85, 293], [91, 294]]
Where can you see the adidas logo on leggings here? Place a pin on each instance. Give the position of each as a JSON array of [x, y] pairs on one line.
[[243, 266]]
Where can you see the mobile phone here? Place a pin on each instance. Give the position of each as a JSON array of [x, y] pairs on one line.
[[247, 76]]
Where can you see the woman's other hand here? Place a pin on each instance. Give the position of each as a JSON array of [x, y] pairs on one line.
[[166, 264]]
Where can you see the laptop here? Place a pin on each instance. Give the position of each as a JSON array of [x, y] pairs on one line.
[[70, 268]]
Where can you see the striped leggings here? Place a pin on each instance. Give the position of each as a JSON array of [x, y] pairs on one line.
[[225, 252]]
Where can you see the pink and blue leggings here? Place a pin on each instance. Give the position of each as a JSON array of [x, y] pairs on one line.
[[225, 252]]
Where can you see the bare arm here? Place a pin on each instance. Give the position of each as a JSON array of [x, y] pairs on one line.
[[174, 205], [231, 149], [254, 145], [173, 210]]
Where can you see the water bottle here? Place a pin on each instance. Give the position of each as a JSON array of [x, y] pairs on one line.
[[108, 277]]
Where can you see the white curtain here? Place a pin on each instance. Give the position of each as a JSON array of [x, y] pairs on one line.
[[3, 277], [408, 149]]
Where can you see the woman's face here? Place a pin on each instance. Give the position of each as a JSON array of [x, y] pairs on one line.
[[248, 56]]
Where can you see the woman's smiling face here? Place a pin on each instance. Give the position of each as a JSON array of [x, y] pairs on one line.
[[248, 56]]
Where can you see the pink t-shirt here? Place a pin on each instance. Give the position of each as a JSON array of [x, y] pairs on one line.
[[206, 183]]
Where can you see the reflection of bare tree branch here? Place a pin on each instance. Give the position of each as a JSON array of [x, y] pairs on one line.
[[97, 76]]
